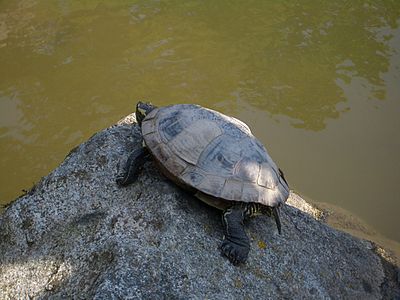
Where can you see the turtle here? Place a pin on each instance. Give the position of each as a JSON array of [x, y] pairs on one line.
[[216, 157]]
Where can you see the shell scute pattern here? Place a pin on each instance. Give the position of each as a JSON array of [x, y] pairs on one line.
[[193, 176], [232, 189], [216, 154], [217, 158]]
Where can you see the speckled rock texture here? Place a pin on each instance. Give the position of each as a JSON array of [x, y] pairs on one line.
[[77, 235]]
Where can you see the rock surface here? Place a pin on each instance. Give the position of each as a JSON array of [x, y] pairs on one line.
[[78, 235]]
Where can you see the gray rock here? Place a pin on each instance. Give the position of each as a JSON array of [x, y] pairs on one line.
[[78, 235]]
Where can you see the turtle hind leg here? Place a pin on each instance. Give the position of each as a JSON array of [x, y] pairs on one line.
[[134, 165], [236, 244]]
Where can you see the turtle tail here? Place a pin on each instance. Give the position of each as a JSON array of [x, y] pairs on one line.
[[276, 213]]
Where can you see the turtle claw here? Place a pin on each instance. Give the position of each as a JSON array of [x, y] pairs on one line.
[[236, 253], [120, 179]]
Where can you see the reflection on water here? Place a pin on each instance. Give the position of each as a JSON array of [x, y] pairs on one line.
[[308, 50], [317, 82]]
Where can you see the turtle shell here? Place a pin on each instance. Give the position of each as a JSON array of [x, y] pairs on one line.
[[214, 154]]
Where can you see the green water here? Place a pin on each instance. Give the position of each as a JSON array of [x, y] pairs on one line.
[[317, 81]]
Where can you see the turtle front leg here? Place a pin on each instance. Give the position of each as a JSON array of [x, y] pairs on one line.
[[236, 244], [134, 165]]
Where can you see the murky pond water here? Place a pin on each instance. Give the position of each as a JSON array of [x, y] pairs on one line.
[[319, 84]]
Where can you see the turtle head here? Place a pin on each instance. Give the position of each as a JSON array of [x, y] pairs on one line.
[[142, 110]]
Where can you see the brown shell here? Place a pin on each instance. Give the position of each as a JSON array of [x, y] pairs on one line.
[[213, 153]]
